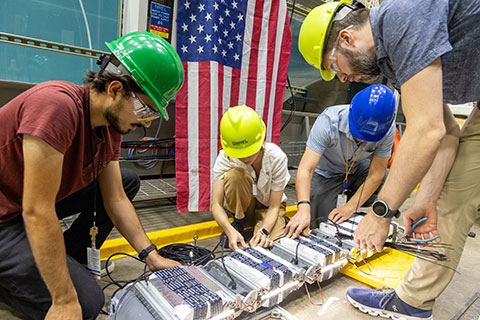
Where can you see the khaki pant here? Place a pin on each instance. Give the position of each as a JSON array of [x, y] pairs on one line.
[[457, 211], [239, 199]]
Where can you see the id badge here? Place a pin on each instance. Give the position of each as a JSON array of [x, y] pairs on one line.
[[93, 259], [341, 200]]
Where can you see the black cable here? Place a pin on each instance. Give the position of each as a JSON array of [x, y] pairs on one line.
[[295, 260], [294, 106], [187, 254], [120, 283], [293, 11], [119, 303], [232, 283]]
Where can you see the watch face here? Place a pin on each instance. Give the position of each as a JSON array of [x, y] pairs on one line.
[[379, 208]]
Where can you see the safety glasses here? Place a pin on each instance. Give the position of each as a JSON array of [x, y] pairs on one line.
[[142, 111], [332, 60]]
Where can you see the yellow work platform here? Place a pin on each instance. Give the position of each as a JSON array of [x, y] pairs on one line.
[[384, 269]]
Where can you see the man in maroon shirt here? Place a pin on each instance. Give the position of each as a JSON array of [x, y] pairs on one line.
[[60, 145]]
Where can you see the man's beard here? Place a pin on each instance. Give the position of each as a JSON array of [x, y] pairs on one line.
[[363, 64], [112, 119]]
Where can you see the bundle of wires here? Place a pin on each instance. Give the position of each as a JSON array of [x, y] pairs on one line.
[[425, 254], [412, 248], [187, 254]]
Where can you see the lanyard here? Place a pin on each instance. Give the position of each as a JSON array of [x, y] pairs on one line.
[[94, 228], [347, 168]]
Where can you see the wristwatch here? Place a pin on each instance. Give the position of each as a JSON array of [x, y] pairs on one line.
[[144, 253], [381, 209], [264, 231]]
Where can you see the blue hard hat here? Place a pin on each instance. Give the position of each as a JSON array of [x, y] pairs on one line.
[[372, 113]]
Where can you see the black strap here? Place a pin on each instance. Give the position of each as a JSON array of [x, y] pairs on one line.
[[303, 201], [264, 231], [144, 253]]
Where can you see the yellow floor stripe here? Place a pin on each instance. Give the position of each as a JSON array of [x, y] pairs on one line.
[[162, 238]]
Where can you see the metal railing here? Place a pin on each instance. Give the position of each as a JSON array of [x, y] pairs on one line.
[[50, 45]]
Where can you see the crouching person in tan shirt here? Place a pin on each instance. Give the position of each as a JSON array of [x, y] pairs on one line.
[[250, 176]]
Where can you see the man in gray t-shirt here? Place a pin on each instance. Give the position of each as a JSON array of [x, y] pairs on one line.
[[429, 51], [337, 164]]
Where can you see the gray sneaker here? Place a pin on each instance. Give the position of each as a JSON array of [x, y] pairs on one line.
[[385, 303]]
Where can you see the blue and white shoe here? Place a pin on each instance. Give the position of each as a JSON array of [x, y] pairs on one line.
[[384, 302]]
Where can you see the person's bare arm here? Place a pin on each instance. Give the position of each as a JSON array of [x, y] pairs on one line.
[[124, 217], [432, 184], [235, 239], [301, 220], [42, 178], [378, 167], [422, 103], [271, 217]]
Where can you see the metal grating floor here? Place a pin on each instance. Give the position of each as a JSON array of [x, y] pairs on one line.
[[157, 189], [167, 188]]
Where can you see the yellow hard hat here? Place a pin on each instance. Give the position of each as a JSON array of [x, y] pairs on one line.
[[313, 34], [242, 132]]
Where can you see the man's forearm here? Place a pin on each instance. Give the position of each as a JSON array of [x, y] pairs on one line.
[[413, 158], [303, 184], [271, 218], [220, 216], [432, 183], [48, 248], [125, 219]]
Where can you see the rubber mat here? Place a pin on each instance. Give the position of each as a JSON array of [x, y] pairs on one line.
[[384, 269]]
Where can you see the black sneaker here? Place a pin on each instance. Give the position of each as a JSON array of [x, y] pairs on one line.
[[384, 302]]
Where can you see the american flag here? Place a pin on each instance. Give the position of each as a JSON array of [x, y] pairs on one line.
[[234, 52]]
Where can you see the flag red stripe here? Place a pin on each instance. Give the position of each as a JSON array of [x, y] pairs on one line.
[[220, 103], [253, 65], [181, 144], [281, 81], [235, 87], [204, 134], [271, 47]]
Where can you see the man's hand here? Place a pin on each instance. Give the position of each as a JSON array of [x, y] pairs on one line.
[[64, 311], [259, 239], [299, 222], [156, 262], [235, 240], [372, 231], [338, 215], [426, 229]]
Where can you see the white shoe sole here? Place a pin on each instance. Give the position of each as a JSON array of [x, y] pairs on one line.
[[383, 313]]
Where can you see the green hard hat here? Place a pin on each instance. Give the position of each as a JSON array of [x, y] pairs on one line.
[[153, 63]]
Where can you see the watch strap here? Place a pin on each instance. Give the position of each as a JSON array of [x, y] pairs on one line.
[[303, 201], [264, 231], [144, 253], [392, 213]]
